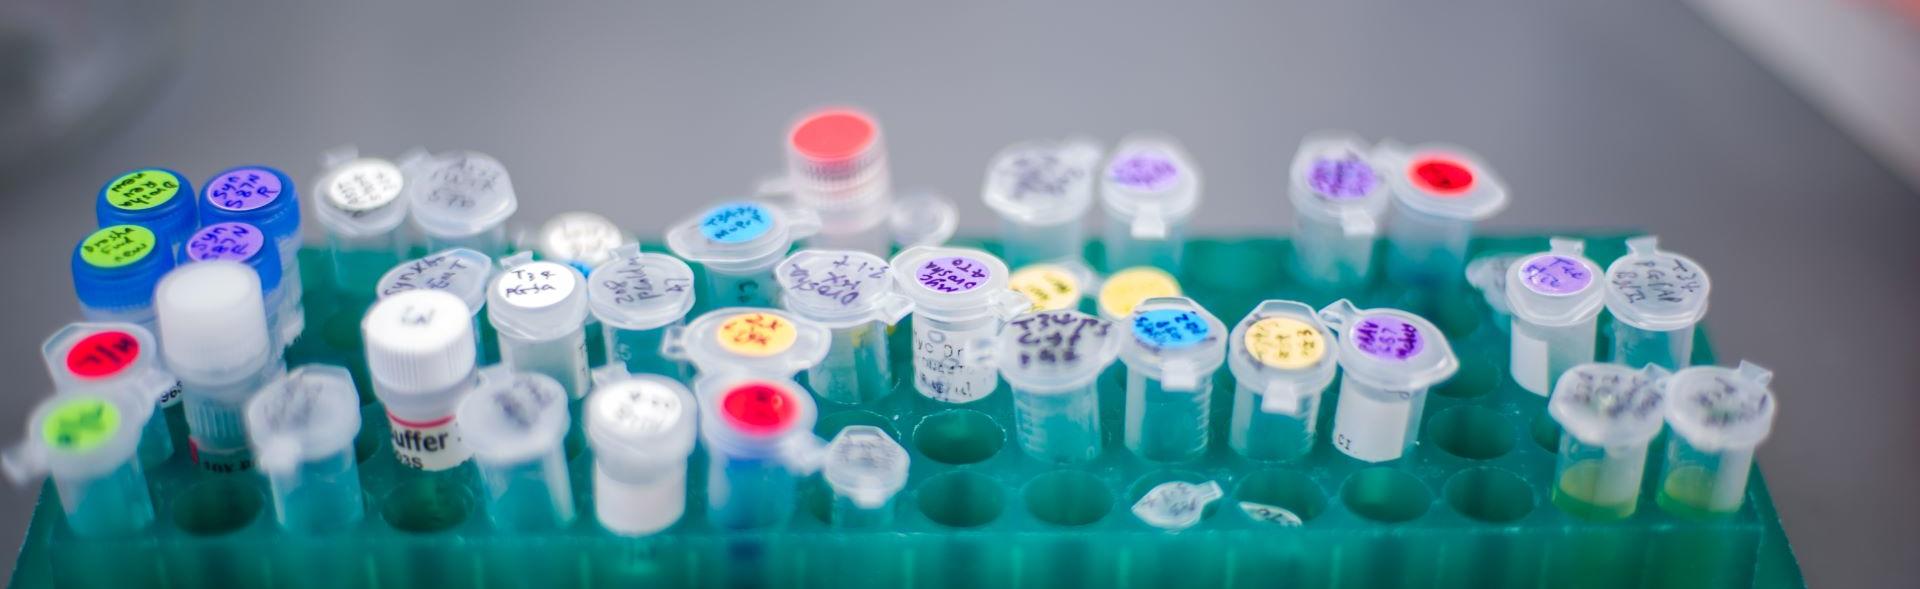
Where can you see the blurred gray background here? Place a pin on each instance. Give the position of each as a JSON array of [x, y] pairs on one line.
[[1617, 114]]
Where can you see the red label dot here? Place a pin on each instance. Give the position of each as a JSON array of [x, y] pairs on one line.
[[1444, 177], [103, 354], [833, 136], [758, 408]]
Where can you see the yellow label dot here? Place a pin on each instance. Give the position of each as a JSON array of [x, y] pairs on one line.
[[80, 424], [1127, 288], [1285, 342], [1050, 287], [757, 334]]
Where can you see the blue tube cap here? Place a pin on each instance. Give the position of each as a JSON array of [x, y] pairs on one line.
[[117, 267], [239, 242], [257, 195], [158, 198]]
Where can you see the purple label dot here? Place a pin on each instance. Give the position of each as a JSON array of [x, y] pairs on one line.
[[953, 274], [1144, 171], [1388, 337], [225, 241], [1341, 179], [244, 189], [1555, 275]]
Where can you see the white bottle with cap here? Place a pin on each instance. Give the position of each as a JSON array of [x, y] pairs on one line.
[[539, 313], [1656, 297], [642, 429], [358, 201], [1389, 358], [1042, 190], [1282, 362], [420, 358], [213, 333], [1439, 193], [460, 199], [1149, 189], [1719, 416], [303, 428], [636, 297], [516, 423], [739, 243], [960, 299], [1340, 200], [462, 272], [854, 295], [1555, 297]]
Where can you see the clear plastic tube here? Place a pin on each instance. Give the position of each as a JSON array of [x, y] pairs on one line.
[[303, 428], [1338, 195], [86, 442], [1176, 346], [1671, 349], [759, 440], [642, 430], [1260, 434], [358, 201], [516, 423], [1598, 482], [1052, 361], [1279, 354], [1060, 427], [122, 357], [1718, 417], [1149, 188], [853, 295], [856, 369], [866, 469], [1439, 192], [1656, 297], [1390, 358], [947, 363], [1555, 297]]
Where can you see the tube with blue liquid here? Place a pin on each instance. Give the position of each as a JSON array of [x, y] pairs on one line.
[[303, 426], [1176, 346]]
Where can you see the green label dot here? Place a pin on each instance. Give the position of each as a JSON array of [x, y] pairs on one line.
[[81, 424], [117, 246], [140, 190]]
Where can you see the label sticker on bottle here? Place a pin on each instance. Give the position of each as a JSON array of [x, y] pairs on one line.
[[1554, 274], [460, 182], [1285, 343], [1050, 287], [640, 408], [536, 285], [1170, 329], [1343, 178], [736, 222], [103, 354], [1659, 281], [1039, 174], [80, 424], [759, 408], [220, 460], [837, 280], [1370, 428], [953, 274], [1441, 176], [364, 185], [226, 241], [1388, 338], [140, 190], [1055, 338], [244, 189], [943, 369], [430, 446], [117, 246], [1127, 288], [435, 272], [1149, 171], [757, 334], [632, 281]]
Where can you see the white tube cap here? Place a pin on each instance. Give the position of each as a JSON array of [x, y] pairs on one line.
[[311, 413], [536, 300], [213, 321], [865, 465], [1716, 408], [513, 417], [1610, 404], [419, 341]]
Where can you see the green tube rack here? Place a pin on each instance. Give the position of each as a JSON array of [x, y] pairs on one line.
[[1469, 508]]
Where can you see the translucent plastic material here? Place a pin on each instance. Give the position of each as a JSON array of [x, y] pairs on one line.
[[578, 238], [853, 295], [1389, 359], [1439, 193], [1339, 197], [1041, 190], [642, 431], [922, 219], [865, 467], [460, 199], [1656, 298], [420, 357], [1054, 287], [358, 201], [1282, 362], [1052, 360], [539, 312], [516, 425], [837, 169], [1148, 189], [1488, 274], [743, 340], [117, 358], [1174, 348], [213, 334], [1719, 416], [636, 297], [86, 442], [1555, 298], [1610, 413], [461, 272], [758, 434], [303, 427], [960, 300], [738, 243]]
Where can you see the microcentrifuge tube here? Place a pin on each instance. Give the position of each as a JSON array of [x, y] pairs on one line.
[[1149, 190], [1488, 274], [1339, 197], [158, 199], [636, 297], [960, 300], [1718, 415], [461, 272], [115, 270], [1054, 287], [121, 358], [1041, 190], [539, 312], [358, 201], [837, 170], [1439, 193], [747, 340], [852, 294], [86, 442], [303, 426], [1656, 298], [515, 424], [1052, 362], [641, 429], [866, 468], [922, 218], [213, 335], [268, 200], [1555, 298], [1610, 414], [758, 434], [460, 199], [578, 238], [1388, 359], [1281, 366], [1176, 346], [1125, 289], [244, 243], [420, 357], [739, 243]]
